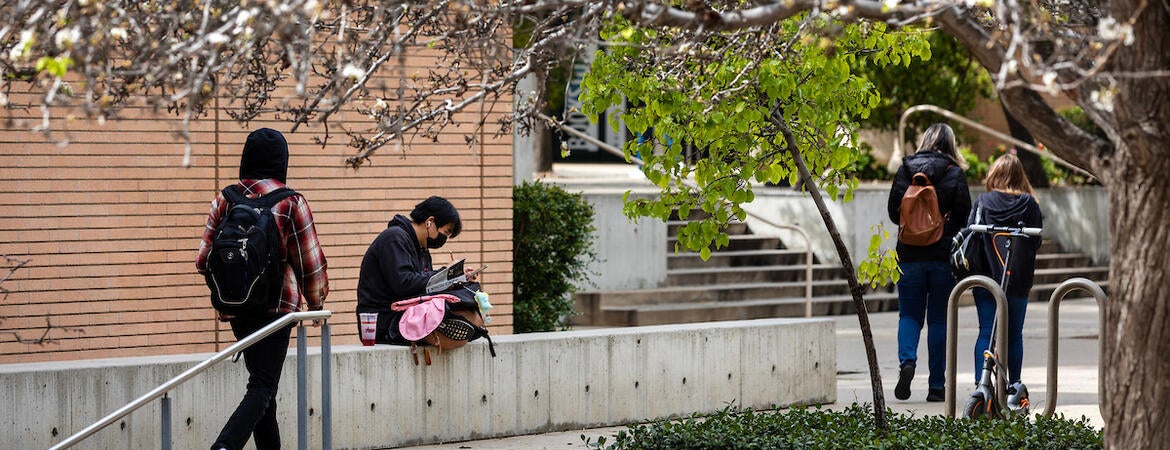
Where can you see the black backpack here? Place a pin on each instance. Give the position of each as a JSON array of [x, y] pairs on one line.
[[244, 266]]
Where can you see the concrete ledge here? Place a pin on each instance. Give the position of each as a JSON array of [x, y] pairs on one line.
[[539, 382]]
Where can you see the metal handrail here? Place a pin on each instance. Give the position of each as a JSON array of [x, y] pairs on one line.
[[808, 260], [635, 160], [1001, 332], [199, 368], [981, 127], [1062, 290]]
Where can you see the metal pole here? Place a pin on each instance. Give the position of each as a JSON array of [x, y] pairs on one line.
[[302, 391], [186, 375], [326, 389], [165, 406], [1001, 331], [1065, 288]]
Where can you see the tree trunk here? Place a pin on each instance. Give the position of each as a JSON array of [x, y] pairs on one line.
[[855, 288], [1136, 362]]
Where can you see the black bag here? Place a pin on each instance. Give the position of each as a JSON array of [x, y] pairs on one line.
[[462, 323], [244, 266], [967, 251]]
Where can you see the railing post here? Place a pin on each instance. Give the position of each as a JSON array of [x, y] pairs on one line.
[[1065, 288], [1001, 334], [302, 391], [165, 406], [326, 389]]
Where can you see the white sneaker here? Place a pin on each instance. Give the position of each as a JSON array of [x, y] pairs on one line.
[[1018, 397]]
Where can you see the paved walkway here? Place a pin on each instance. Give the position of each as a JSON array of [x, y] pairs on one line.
[[1078, 372]]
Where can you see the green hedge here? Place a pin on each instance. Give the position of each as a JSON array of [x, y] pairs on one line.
[[552, 233], [852, 428]]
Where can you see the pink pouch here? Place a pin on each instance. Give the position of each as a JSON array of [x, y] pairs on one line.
[[421, 315]]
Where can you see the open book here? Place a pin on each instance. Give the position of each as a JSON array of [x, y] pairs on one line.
[[446, 277]]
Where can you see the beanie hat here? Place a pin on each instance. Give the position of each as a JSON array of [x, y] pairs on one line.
[[265, 156]]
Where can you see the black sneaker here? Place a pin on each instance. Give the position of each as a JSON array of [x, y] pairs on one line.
[[936, 395], [905, 374]]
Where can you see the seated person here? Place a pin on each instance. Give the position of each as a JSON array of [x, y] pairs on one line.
[[397, 265]]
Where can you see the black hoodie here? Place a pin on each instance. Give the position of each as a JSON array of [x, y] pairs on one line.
[[265, 156], [394, 268], [1003, 209], [953, 198]]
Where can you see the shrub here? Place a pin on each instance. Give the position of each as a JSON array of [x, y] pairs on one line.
[[552, 231], [852, 428]]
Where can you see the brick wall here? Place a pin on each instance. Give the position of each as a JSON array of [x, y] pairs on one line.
[[111, 222]]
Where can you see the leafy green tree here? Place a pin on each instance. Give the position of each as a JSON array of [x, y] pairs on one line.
[[947, 77], [785, 116]]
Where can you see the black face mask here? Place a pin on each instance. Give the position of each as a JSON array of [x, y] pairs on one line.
[[438, 240]]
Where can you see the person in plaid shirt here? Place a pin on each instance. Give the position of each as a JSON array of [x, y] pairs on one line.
[[263, 167]]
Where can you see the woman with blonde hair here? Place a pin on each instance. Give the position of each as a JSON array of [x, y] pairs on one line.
[[926, 279], [1009, 201]]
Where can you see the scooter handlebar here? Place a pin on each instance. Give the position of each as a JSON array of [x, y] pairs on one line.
[[1027, 231]]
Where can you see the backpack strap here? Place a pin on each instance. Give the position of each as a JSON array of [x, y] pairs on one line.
[[235, 196]]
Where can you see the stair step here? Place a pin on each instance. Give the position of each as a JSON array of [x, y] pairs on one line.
[[1043, 292], [719, 292], [686, 260], [1059, 274], [739, 242], [732, 229], [748, 274], [691, 312], [1056, 260]]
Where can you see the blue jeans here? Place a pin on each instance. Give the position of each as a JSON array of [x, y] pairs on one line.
[[1017, 308], [923, 290]]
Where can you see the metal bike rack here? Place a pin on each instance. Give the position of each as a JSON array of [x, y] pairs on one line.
[[1065, 288], [302, 390], [1001, 314]]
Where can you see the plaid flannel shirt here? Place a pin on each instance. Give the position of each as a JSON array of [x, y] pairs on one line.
[[304, 268]]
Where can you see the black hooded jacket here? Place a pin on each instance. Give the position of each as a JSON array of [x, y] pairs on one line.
[[954, 201], [1003, 209], [265, 156], [394, 268]]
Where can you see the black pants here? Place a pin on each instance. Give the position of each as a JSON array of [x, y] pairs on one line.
[[256, 414]]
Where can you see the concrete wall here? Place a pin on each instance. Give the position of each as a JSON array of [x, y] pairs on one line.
[[630, 254], [539, 382], [1079, 218]]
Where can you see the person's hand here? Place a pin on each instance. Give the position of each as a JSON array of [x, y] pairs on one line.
[[471, 276]]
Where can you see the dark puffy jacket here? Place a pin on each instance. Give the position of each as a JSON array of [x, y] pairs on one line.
[[1003, 209], [954, 201]]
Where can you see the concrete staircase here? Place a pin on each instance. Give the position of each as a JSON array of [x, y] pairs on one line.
[[1054, 266], [753, 277], [759, 277]]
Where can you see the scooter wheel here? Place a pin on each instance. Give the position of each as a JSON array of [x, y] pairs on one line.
[[976, 407]]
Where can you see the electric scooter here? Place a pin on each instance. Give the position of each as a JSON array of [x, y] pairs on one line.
[[983, 402]]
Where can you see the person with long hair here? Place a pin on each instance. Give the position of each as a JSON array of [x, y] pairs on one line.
[[1009, 201], [927, 280]]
